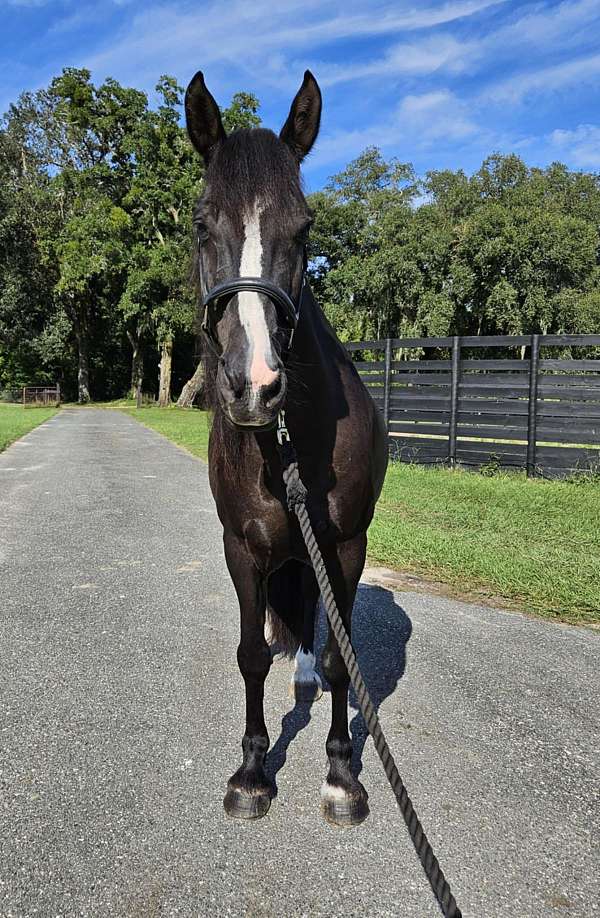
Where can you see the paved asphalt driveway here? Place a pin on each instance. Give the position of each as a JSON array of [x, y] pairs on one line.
[[121, 718]]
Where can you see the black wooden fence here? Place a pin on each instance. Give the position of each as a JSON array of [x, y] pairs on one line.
[[533, 410]]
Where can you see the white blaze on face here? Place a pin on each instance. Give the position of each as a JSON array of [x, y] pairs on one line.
[[252, 313]]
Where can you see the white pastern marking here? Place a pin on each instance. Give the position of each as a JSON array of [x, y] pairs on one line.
[[332, 792], [305, 668], [252, 313], [269, 636]]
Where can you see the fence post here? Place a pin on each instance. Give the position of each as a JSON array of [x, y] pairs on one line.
[[387, 384], [454, 400], [58, 393], [532, 419]]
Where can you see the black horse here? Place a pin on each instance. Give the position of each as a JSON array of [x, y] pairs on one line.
[[269, 349]]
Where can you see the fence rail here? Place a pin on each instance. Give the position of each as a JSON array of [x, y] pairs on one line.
[[32, 395], [540, 412], [41, 395]]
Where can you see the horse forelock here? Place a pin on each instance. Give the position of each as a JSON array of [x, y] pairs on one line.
[[252, 165]]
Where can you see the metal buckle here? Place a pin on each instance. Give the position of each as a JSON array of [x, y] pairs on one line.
[[283, 435]]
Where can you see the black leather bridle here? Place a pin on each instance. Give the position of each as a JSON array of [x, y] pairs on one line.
[[219, 297]]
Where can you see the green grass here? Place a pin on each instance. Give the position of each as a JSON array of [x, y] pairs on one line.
[[532, 543], [16, 421], [187, 427]]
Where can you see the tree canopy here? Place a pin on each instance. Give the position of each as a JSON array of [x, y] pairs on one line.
[[509, 250], [97, 189], [96, 196]]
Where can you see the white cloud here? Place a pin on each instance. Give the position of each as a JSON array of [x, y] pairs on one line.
[[544, 35], [419, 122], [82, 18], [580, 146], [438, 52], [167, 38], [539, 47], [554, 78], [434, 115], [566, 23], [536, 32], [533, 34], [257, 37], [385, 19]]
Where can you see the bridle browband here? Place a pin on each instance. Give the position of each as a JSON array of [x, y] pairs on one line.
[[220, 296]]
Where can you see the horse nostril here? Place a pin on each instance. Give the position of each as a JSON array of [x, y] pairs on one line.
[[235, 378], [272, 392]]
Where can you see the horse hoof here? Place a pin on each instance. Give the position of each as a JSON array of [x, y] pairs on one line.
[[242, 805], [306, 691], [343, 809]]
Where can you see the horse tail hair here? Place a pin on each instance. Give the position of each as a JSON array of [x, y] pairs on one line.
[[286, 603]]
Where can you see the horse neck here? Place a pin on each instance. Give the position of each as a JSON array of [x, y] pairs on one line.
[[313, 358]]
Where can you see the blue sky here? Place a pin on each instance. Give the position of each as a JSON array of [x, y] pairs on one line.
[[440, 84]]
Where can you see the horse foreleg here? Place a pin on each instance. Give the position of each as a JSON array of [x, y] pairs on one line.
[[249, 791], [343, 798]]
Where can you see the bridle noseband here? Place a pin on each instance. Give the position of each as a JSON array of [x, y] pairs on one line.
[[219, 297]]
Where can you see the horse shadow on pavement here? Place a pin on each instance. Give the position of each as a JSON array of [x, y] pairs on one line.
[[381, 630]]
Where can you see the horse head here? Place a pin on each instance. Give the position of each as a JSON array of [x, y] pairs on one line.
[[252, 225]]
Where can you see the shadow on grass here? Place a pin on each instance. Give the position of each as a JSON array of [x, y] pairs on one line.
[[381, 630]]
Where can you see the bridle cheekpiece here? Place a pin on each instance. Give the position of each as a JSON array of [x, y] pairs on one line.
[[219, 297]]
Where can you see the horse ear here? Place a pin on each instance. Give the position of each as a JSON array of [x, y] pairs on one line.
[[203, 118], [302, 125]]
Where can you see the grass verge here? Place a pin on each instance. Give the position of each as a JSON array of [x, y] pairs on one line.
[[16, 421], [186, 427], [532, 543]]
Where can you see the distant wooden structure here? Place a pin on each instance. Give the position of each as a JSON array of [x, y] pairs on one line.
[[32, 396]]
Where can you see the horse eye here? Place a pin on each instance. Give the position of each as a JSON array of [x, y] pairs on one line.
[[201, 233]]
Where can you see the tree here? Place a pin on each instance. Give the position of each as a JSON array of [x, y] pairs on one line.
[[160, 199], [522, 245], [26, 276], [353, 269], [91, 257], [509, 250], [95, 215], [76, 135]]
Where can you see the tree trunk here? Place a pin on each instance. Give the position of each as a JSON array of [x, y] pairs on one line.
[[83, 368], [164, 385], [78, 313], [192, 388], [137, 365]]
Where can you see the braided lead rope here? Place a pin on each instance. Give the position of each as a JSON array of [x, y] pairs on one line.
[[296, 496]]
